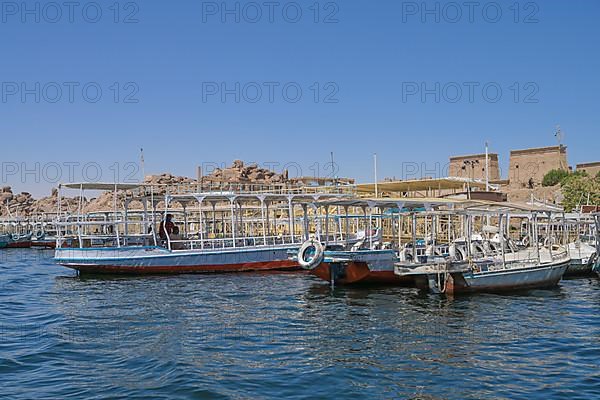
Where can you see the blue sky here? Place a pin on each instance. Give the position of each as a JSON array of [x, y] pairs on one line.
[[376, 77]]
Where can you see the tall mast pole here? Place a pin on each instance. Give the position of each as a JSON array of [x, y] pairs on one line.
[[142, 164], [375, 172], [487, 165]]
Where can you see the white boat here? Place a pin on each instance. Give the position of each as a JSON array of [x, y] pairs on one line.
[[508, 269], [582, 258], [216, 232], [371, 260]]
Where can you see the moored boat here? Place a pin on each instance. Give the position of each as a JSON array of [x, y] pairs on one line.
[[583, 257], [19, 241], [4, 239], [596, 267], [489, 276], [527, 268], [44, 241], [215, 232], [370, 260]]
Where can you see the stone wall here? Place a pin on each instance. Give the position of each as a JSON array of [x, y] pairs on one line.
[[473, 166], [528, 167], [591, 169]]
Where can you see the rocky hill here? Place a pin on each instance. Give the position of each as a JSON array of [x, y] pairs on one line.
[[23, 204]]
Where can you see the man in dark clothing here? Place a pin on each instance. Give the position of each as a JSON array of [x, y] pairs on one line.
[[166, 227]]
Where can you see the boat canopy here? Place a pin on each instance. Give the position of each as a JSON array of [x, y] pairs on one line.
[[416, 185], [101, 186], [214, 197]]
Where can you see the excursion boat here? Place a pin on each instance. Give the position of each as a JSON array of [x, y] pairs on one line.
[[4, 239], [583, 257], [576, 231], [489, 275], [370, 260], [596, 267], [213, 232], [44, 240], [16, 241], [528, 268]]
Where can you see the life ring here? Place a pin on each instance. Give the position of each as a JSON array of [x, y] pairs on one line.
[[311, 254], [460, 254], [40, 234], [526, 241], [476, 250], [15, 237]]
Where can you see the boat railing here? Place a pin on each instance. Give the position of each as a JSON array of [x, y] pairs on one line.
[[223, 243], [100, 240], [559, 254]]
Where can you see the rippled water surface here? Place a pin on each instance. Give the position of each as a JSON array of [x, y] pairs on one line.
[[286, 336]]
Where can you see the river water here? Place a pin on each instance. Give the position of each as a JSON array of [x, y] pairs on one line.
[[286, 336]]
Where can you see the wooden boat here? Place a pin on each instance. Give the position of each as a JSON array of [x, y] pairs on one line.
[[596, 267], [582, 258], [528, 268], [489, 276], [369, 260], [357, 267], [220, 232], [19, 241], [44, 240], [159, 260]]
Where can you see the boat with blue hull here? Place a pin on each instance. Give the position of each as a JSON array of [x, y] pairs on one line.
[[160, 260], [210, 233], [489, 275]]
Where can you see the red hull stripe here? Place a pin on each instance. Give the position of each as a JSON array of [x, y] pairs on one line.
[[19, 245], [48, 245], [186, 269]]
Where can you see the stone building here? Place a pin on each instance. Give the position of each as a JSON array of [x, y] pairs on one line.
[[528, 167], [592, 168], [473, 166]]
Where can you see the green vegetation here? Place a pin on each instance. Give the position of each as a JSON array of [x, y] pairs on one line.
[[579, 188], [554, 177]]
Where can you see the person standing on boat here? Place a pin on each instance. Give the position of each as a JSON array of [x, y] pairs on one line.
[[166, 227]]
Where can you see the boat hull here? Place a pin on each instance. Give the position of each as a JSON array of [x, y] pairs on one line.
[[506, 280], [366, 268], [579, 267], [19, 245], [46, 244], [582, 259], [155, 260]]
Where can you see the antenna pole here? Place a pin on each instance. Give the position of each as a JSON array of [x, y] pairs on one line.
[[375, 173], [559, 136], [333, 170], [487, 165], [142, 164]]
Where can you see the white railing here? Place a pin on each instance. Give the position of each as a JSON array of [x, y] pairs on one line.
[[230, 243]]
